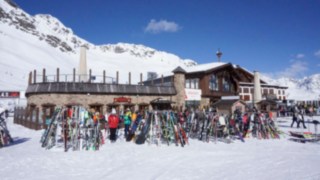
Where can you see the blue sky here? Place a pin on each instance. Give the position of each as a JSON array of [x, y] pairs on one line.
[[280, 37]]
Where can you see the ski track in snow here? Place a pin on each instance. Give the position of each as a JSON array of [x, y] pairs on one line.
[[254, 159]]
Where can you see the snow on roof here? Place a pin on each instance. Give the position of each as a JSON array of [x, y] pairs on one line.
[[204, 67]]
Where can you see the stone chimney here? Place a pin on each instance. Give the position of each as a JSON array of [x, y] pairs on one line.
[[83, 74], [179, 84], [257, 88]]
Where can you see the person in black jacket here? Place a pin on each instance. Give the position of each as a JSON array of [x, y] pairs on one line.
[[301, 120], [294, 119]]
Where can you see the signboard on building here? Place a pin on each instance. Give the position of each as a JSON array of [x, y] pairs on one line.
[[122, 100], [193, 94], [229, 97], [9, 94]]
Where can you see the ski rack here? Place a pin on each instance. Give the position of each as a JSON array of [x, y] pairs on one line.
[[73, 129], [5, 137]]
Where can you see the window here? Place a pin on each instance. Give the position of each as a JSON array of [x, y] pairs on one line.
[[187, 83], [246, 98], [246, 90], [271, 91], [196, 83], [192, 83], [226, 84], [213, 83]]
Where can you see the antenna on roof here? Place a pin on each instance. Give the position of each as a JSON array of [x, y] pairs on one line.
[[219, 54]]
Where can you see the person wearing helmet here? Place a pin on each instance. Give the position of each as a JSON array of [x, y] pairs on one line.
[[127, 122], [113, 121]]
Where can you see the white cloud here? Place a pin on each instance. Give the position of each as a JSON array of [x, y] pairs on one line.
[[300, 56], [317, 53], [296, 69], [161, 26]]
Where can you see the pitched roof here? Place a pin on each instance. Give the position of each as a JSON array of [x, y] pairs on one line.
[[98, 88], [204, 67], [179, 70]]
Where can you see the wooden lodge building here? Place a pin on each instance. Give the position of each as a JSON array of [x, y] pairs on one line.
[[215, 80], [196, 86]]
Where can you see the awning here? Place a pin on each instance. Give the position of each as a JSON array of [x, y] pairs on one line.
[[161, 101]]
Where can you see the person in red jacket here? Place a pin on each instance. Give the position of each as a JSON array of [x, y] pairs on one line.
[[113, 121]]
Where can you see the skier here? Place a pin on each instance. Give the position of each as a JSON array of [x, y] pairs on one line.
[[127, 122], [301, 120], [294, 111], [294, 119], [238, 119], [6, 112], [246, 124], [113, 121]]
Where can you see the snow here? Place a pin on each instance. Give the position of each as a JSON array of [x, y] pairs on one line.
[[25, 47], [254, 159], [306, 89], [22, 52], [203, 67]]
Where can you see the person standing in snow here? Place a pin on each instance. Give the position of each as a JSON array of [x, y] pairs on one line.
[[301, 120], [295, 111], [246, 124], [127, 122], [113, 121]]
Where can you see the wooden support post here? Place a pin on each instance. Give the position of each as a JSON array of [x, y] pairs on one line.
[[172, 81], [35, 76], [29, 123], [18, 115], [117, 77], [74, 74], [162, 80], [25, 119], [58, 74], [129, 78], [43, 75], [37, 125], [90, 74], [104, 76], [141, 79], [30, 78], [15, 115], [44, 125]]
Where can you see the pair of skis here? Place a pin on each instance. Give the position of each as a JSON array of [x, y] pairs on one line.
[[304, 137]]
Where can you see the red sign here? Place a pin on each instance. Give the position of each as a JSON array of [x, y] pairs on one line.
[[9, 94], [122, 100]]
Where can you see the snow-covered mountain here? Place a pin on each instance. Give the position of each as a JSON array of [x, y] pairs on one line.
[[42, 41], [30, 43], [307, 88]]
